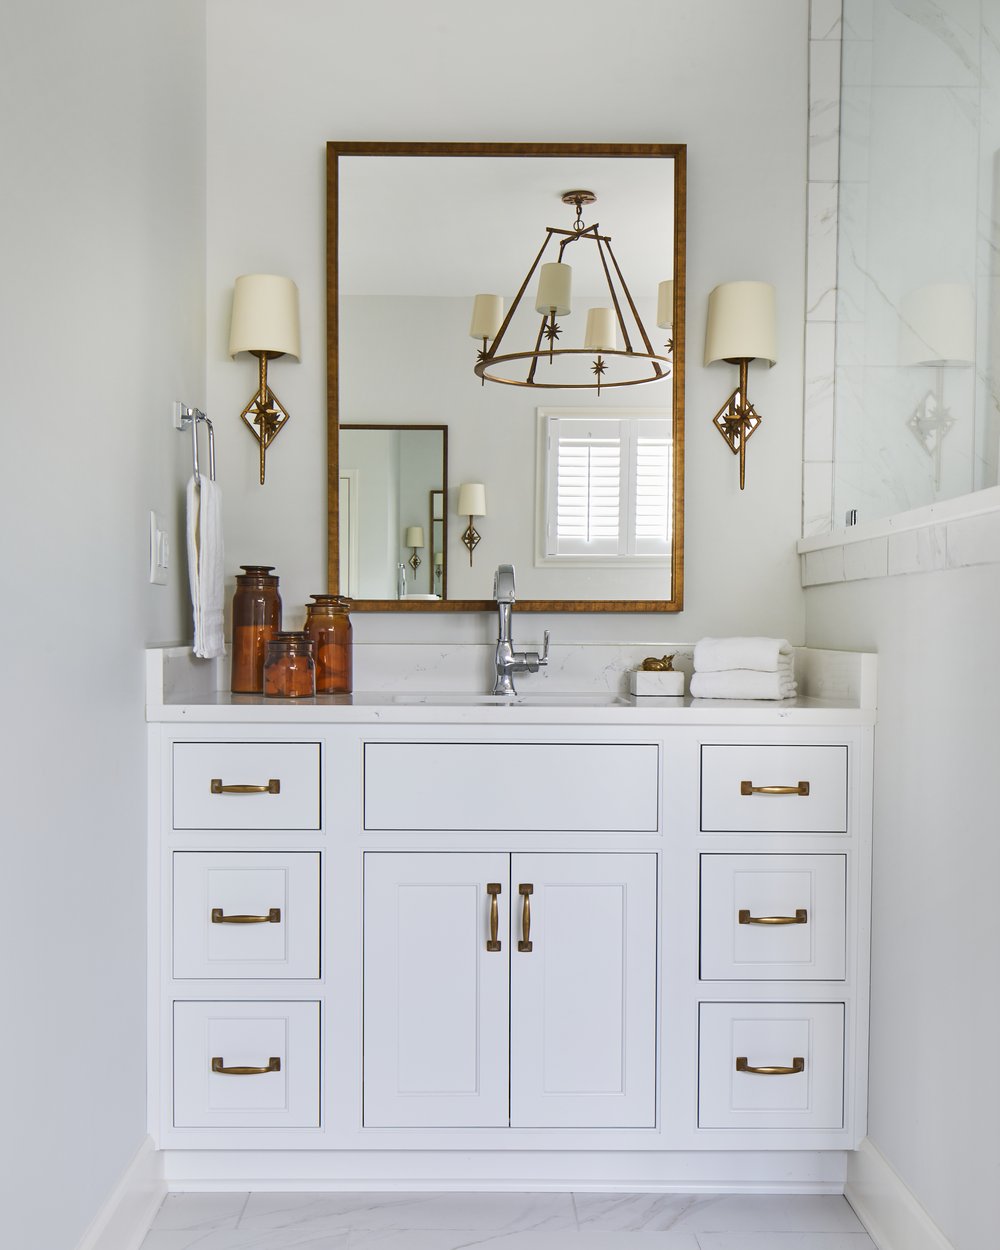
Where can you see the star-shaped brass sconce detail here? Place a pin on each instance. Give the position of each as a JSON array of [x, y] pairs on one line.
[[598, 369]]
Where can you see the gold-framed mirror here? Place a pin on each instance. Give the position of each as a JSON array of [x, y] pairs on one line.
[[414, 232]]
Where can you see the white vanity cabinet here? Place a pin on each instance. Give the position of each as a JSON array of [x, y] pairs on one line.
[[413, 944], [510, 989]]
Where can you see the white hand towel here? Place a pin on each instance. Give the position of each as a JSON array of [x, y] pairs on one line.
[[205, 565], [743, 683], [765, 655]]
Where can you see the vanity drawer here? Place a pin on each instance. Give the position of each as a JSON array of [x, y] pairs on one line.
[[246, 785], [246, 914], [774, 789], [280, 1037], [470, 786], [773, 917], [807, 1037]]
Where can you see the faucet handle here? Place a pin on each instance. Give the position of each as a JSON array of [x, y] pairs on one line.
[[544, 657], [532, 660]]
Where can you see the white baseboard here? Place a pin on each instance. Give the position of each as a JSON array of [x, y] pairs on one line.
[[894, 1218], [123, 1221]]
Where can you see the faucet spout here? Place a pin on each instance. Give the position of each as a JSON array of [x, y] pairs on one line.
[[503, 584]]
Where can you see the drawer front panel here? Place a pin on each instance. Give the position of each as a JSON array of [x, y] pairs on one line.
[[747, 902], [246, 914], [774, 789], [470, 786], [806, 1036], [280, 1037], [246, 785]]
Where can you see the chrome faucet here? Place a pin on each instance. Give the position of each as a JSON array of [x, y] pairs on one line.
[[509, 661]]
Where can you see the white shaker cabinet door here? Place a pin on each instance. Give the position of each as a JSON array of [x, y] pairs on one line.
[[583, 997], [436, 999]]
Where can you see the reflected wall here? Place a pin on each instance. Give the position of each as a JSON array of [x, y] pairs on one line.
[[917, 320]]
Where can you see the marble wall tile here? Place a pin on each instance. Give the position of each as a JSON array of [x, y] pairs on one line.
[[817, 434], [973, 540], [852, 252], [817, 499], [819, 568], [866, 559], [824, 109], [856, 63], [825, 19], [821, 280], [855, 132], [858, 19], [917, 551], [934, 43]]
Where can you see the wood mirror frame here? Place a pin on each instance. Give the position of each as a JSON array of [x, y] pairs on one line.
[[676, 153]]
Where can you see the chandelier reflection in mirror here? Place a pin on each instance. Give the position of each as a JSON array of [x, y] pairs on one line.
[[616, 349]]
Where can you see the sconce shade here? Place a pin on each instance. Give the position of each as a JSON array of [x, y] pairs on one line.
[[938, 325], [487, 316], [414, 536], [602, 331], [741, 323], [438, 559], [554, 285], [265, 315], [665, 304], [472, 499]]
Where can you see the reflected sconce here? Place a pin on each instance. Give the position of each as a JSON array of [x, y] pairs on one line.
[[615, 331], [471, 503], [741, 328], [937, 330], [414, 540], [665, 310], [438, 568], [265, 322]]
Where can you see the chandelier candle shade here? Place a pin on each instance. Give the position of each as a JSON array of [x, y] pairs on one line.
[[741, 328], [471, 503], [616, 331], [265, 322]]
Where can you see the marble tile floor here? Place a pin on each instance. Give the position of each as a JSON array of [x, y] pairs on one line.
[[504, 1221]]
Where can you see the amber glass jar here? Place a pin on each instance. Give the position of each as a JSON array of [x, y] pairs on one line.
[[329, 626], [289, 668], [256, 620]]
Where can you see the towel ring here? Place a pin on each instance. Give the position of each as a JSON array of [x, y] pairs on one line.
[[185, 417]]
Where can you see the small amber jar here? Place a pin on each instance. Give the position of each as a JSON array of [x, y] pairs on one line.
[[329, 626], [289, 668], [256, 620]]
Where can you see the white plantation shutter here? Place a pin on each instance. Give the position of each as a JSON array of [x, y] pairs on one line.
[[608, 487]]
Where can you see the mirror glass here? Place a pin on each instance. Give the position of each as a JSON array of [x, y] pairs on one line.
[[414, 233]]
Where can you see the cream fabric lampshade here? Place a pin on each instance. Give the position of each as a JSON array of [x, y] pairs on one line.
[[472, 499], [937, 325], [487, 316], [555, 283], [665, 304], [741, 323], [265, 315], [602, 330], [414, 536]]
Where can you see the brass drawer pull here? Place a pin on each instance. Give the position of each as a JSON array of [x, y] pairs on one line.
[[272, 917], [798, 1065], [493, 889], [801, 917], [272, 787], [525, 891], [748, 787], [273, 1065]]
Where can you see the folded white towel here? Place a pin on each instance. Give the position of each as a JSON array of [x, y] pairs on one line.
[[205, 565], [765, 655], [743, 683]]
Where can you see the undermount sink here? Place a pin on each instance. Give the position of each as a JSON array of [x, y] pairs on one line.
[[553, 699]]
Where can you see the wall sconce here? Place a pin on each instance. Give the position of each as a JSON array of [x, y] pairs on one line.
[[438, 569], [415, 540], [665, 310], [471, 503], [740, 329], [265, 322], [937, 330]]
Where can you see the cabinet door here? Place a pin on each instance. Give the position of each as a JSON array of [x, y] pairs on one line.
[[583, 998], [436, 999]]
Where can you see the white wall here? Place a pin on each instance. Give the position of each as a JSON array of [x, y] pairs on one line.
[[934, 1081], [102, 214], [727, 78]]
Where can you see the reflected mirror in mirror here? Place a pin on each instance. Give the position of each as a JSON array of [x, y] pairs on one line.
[[393, 531], [415, 232]]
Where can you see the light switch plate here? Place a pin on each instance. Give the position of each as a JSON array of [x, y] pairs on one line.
[[159, 550]]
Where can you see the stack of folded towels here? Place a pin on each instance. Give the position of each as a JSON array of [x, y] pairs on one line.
[[743, 668]]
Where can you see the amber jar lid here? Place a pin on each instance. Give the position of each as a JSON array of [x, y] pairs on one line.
[[328, 605], [256, 573]]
